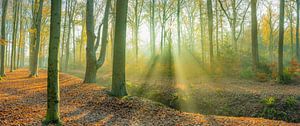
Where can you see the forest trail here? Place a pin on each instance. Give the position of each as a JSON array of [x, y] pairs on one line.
[[23, 102]]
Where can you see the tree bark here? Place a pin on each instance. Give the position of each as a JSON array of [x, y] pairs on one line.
[[202, 31], [152, 27], [21, 36], [3, 26], [297, 31], [178, 26], [210, 32], [15, 29], [36, 39], [53, 98], [255, 55], [92, 64], [63, 37], [118, 79], [280, 43]]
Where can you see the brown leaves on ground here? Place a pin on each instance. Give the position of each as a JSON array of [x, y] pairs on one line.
[[23, 102]]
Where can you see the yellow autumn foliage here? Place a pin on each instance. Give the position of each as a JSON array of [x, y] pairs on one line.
[[3, 42]]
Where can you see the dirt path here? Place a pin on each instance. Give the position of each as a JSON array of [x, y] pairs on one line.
[[23, 102]]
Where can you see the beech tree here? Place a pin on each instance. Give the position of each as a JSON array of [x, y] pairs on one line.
[[255, 55], [71, 12], [280, 42], [53, 100], [297, 31], [152, 27], [3, 38], [92, 62], [35, 37], [118, 77], [233, 14], [210, 31], [16, 8]]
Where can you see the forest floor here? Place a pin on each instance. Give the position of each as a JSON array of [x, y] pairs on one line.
[[23, 102]]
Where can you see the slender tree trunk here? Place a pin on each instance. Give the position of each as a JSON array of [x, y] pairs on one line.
[[217, 27], [210, 30], [21, 37], [255, 56], [281, 39], [68, 45], [37, 38], [63, 37], [297, 31], [291, 29], [14, 41], [53, 95], [202, 31], [3, 26], [92, 64], [179, 26], [118, 79], [71, 12], [82, 37], [136, 30], [74, 42], [152, 27]]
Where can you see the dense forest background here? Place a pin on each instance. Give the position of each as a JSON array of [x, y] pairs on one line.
[[219, 57]]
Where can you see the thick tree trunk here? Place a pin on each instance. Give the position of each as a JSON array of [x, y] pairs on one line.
[[90, 74], [3, 26], [53, 98], [255, 56], [280, 43], [118, 79]]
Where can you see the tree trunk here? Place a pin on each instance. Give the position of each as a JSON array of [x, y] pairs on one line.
[[210, 32], [68, 45], [3, 26], [21, 36], [152, 27], [297, 31], [14, 41], [82, 37], [202, 32], [255, 56], [291, 29], [92, 64], [280, 43], [179, 26], [63, 37], [53, 98], [217, 27], [74, 42], [37, 26], [118, 79]]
